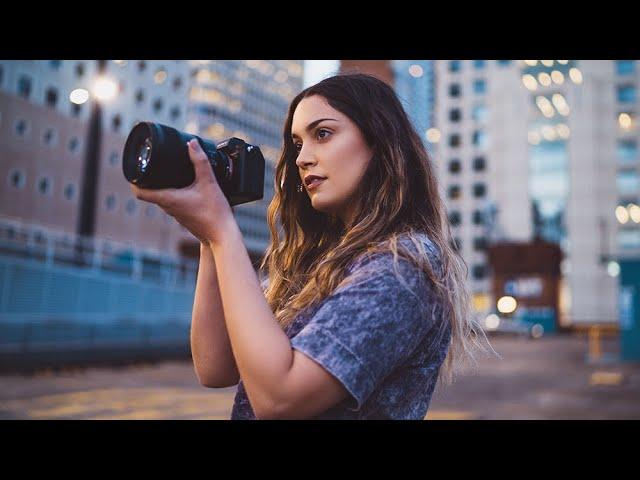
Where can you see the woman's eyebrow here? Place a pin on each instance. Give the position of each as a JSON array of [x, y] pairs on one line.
[[312, 125]]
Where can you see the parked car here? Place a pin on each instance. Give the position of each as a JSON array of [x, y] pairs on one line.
[[496, 323]]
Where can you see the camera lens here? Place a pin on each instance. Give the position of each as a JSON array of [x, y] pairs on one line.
[[144, 156]]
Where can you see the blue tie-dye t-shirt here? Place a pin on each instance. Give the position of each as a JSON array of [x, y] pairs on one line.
[[384, 344]]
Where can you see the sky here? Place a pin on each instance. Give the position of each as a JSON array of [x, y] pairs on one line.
[[316, 70]]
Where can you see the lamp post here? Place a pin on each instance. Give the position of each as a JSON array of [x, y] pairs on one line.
[[103, 89]]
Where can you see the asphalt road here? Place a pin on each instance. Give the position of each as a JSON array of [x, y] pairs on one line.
[[548, 378]]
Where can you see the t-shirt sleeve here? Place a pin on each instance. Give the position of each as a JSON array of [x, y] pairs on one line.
[[363, 330]]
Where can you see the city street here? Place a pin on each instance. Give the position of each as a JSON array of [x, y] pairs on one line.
[[549, 378]]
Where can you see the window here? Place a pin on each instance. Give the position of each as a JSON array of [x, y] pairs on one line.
[[17, 179], [116, 123], [455, 218], [44, 186], [74, 145], [628, 182], [157, 105], [21, 127], [55, 64], [479, 164], [479, 271], [113, 158], [626, 93], [454, 192], [479, 86], [76, 109], [454, 65], [480, 243], [455, 166], [24, 86], [142, 66], [110, 202], [479, 190], [131, 206], [139, 96], [479, 138], [627, 151], [503, 63], [629, 238], [454, 115], [479, 113], [150, 211], [175, 113], [79, 70], [177, 83], [478, 217], [454, 90], [70, 191], [51, 97], [625, 67], [454, 140], [49, 137]]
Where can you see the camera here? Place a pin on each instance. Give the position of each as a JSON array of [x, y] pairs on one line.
[[156, 156]]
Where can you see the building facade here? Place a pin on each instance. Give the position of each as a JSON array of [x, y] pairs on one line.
[[542, 149]]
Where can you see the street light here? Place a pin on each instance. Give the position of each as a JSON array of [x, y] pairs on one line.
[[102, 90]]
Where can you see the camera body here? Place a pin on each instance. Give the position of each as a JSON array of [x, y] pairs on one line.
[[156, 156]]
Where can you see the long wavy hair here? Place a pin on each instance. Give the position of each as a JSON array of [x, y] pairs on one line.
[[310, 250]]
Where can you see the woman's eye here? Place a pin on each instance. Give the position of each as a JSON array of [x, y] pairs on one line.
[[322, 133], [297, 146]]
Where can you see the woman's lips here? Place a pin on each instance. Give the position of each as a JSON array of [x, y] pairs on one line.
[[315, 182]]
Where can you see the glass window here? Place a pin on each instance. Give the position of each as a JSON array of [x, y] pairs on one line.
[[116, 123], [44, 185], [479, 271], [478, 217], [504, 63], [49, 137], [454, 115], [51, 96], [479, 164], [140, 96], [76, 109], [454, 65], [627, 151], [480, 243], [455, 218], [480, 138], [455, 166], [479, 86], [70, 191], [55, 64], [17, 179], [110, 202], [113, 158], [21, 127], [131, 206], [74, 144], [454, 192], [454, 140], [177, 83], [24, 86], [626, 93], [454, 90], [142, 66], [629, 238], [157, 105], [628, 182], [79, 70], [150, 211], [479, 190], [625, 67], [479, 113], [479, 64], [175, 113]]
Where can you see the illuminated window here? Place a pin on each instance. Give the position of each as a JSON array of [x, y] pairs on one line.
[[626, 93], [479, 86], [625, 67]]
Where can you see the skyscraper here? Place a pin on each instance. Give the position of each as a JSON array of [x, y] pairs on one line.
[[543, 149]]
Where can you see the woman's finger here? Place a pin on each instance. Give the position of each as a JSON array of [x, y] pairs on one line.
[[200, 160]]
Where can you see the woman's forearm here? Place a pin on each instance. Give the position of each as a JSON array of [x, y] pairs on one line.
[[210, 347], [262, 349]]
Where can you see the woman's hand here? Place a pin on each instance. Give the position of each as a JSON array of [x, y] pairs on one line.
[[202, 207]]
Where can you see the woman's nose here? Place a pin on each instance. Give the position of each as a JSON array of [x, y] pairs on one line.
[[305, 158]]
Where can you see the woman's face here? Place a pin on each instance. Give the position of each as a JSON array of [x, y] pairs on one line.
[[329, 145]]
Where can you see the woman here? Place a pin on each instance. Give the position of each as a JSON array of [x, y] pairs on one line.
[[365, 299]]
